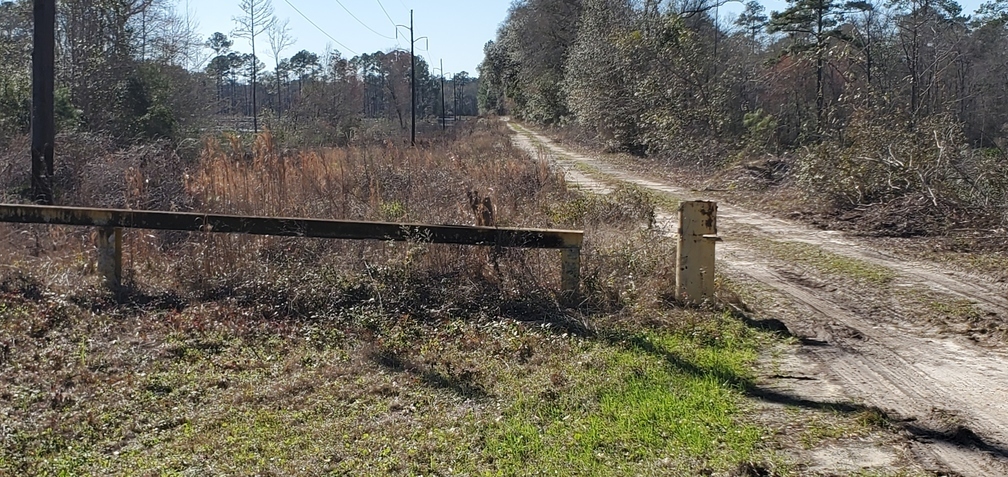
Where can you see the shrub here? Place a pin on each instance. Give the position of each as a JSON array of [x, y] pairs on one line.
[[883, 159]]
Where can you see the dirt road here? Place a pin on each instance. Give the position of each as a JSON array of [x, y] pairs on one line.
[[864, 345]]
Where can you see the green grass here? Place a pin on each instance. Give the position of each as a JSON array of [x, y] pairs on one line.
[[958, 309], [213, 389], [651, 402], [826, 261]]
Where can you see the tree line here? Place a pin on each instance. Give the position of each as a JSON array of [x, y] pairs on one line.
[[860, 89], [140, 70]]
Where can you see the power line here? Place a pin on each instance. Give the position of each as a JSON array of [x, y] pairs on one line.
[[394, 24], [362, 23], [347, 48], [386, 13]]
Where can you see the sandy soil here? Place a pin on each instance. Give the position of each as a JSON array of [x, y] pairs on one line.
[[861, 347]]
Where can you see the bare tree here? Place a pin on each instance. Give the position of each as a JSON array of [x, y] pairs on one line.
[[279, 39], [177, 39], [257, 17]]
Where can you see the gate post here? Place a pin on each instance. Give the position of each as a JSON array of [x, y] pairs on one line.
[[570, 270], [695, 251], [110, 256]]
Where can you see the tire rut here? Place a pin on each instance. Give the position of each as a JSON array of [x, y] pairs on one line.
[[931, 387], [948, 395]]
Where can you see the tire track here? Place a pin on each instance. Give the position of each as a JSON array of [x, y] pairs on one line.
[[991, 296], [948, 395]]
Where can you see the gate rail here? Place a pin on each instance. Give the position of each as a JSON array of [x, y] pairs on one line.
[[112, 221]]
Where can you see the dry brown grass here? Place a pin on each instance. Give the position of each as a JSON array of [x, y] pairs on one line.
[[279, 356], [378, 181], [373, 182]]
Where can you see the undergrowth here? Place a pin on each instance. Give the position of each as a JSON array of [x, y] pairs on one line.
[[258, 355]]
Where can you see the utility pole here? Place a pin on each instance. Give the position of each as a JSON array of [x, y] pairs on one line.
[[412, 76], [455, 99], [412, 83], [443, 112], [43, 123]]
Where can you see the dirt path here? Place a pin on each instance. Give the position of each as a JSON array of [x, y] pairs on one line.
[[876, 345]]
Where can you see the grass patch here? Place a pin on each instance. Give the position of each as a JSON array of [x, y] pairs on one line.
[[651, 402], [258, 355], [218, 390], [822, 427], [959, 309], [828, 262]]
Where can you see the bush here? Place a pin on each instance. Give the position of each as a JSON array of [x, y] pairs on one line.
[[929, 166], [878, 162]]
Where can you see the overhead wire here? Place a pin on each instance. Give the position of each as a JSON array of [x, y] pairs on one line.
[[394, 25], [365, 25], [386, 13], [347, 48]]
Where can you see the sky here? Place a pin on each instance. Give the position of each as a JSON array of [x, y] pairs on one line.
[[456, 30]]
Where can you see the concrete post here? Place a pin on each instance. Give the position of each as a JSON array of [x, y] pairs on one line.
[[110, 256], [695, 254], [570, 272]]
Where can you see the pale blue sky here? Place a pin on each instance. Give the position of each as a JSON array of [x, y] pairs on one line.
[[456, 29]]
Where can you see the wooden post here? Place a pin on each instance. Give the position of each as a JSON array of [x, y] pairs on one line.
[[695, 254], [110, 256]]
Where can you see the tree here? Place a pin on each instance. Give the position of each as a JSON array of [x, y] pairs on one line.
[[598, 78], [497, 76], [752, 20], [279, 39], [235, 63], [865, 33], [252, 67], [922, 25], [812, 24], [220, 66], [218, 69], [753, 23], [537, 37], [219, 43], [15, 54], [176, 39], [303, 63], [257, 17]]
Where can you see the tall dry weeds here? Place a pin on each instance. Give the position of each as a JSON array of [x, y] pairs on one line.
[[380, 181]]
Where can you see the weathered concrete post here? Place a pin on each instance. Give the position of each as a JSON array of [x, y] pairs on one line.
[[110, 256], [695, 254], [570, 271]]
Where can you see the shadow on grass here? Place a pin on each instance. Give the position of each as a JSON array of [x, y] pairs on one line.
[[959, 436], [462, 383], [130, 298]]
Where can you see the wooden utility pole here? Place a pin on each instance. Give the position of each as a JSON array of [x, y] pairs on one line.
[[443, 119], [412, 83], [412, 76], [43, 122]]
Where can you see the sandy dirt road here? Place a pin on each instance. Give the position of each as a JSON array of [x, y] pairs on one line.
[[862, 347]]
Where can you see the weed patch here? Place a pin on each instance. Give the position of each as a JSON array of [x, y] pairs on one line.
[[828, 262], [258, 355]]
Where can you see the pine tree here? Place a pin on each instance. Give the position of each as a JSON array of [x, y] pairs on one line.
[[257, 17]]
